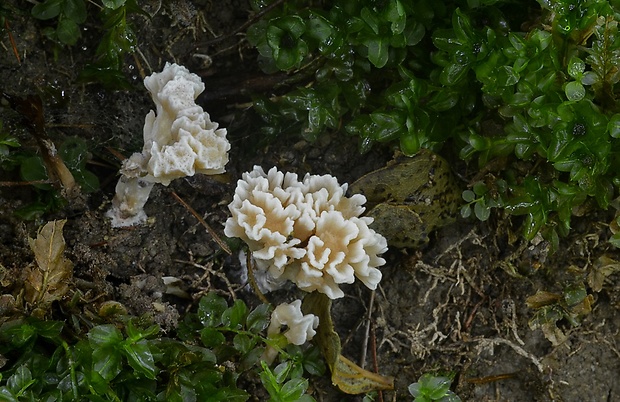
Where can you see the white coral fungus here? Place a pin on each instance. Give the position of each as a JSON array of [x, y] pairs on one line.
[[179, 140], [306, 231], [300, 328]]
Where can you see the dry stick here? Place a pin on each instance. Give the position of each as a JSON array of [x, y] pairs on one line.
[[252, 278], [244, 26], [375, 362], [367, 331], [205, 224], [13, 45], [24, 183], [370, 333]]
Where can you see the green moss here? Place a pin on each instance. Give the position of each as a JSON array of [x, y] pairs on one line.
[[531, 83]]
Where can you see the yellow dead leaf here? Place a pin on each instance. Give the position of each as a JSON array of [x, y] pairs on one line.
[[542, 298], [346, 375], [48, 279]]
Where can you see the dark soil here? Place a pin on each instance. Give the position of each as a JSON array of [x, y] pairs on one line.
[[457, 305]]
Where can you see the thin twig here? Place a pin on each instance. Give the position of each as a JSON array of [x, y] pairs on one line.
[[24, 183], [212, 232], [375, 362], [12, 40], [367, 330], [252, 279]]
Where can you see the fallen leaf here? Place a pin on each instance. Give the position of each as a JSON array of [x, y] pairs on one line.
[[410, 197], [48, 279], [346, 375], [601, 269]]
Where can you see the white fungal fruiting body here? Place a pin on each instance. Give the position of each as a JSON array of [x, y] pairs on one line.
[[306, 231], [179, 140], [300, 327]]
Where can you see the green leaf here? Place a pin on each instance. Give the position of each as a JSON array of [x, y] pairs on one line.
[[614, 126], [506, 76], [574, 91], [438, 386], [482, 211], [462, 27], [106, 335], [259, 318], [33, 169], [574, 294], [48, 329], [113, 4], [211, 337], [107, 361], [576, 67], [7, 396], [256, 36], [234, 316], [318, 27], [228, 394], [293, 389], [409, 144], [453, 73], [210, 309], [68, 31], [140, 358], [47, 10], [377, 51], [293, 24], [75, 10], [443, 100], [20, 380], [243, 343], [371, 19], [269, 380], [289, 58], [395, 13], [615, 240], [468, 196]]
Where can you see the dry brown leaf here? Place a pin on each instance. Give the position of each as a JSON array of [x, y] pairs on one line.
[[48, 279], [602, 268], [346, 375]]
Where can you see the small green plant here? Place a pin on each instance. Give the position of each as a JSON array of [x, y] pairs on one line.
[[433, 388], [118, 37], [130, 359], [70, 15], [32, 169], [118, 40], [530, 98], [282, 387]]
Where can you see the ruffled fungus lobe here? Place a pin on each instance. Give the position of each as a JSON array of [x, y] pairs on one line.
[[300, 328], [179, 140], [306, 231]]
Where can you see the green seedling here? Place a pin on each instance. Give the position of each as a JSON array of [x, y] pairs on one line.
[[433, 388]]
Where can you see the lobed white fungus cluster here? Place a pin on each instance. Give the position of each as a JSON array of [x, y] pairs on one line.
[[308, 231], [300, 328], [179, 140]]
